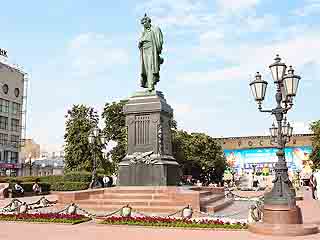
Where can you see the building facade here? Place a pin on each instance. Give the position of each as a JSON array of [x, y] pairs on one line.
[[44, 167], [29, 149], [12, 118]]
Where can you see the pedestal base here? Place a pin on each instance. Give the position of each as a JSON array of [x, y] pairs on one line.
[[163, 173], [281, 215], [283, 229]]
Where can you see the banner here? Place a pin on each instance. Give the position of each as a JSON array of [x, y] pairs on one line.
[[297, 158]]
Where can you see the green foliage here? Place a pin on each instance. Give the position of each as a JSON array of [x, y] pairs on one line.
[[198, 150], [79, 153], [69, 186], [315, 155], [115, 130], [19, 179], [53, 178], [84, 177]]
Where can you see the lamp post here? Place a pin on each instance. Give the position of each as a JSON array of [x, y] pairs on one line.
[[280, 202], [94, 138], [29, 163]]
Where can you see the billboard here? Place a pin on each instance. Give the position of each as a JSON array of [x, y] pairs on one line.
[[297, 158]]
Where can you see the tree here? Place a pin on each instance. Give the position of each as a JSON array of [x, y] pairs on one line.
[[115, 130], [315, 155], [79, 153], [199, 155]]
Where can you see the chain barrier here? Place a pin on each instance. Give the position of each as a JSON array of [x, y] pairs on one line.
[[255, 198], [255, 209], [152, 215], [112, 213], [15, 205], [223, 216]]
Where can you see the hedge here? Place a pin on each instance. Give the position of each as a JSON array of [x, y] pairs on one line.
[[77, 177], [52, 179], [71, 181], [69, 186]]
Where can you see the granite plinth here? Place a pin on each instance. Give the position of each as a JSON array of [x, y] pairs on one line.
[[159, 173], [283, 229], [274, 214], [149, 160]]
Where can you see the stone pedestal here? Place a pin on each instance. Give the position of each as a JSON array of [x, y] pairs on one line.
[[280, 215], [149, 160]]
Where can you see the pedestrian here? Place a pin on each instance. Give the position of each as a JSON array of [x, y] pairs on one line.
[[36, 188], [18, 188], [105, 180], [313, 185], [317, 184]]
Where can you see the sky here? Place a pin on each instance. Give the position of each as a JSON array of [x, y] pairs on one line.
[[85, 52]]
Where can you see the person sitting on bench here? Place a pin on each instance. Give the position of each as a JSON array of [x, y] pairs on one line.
[[18, 188]]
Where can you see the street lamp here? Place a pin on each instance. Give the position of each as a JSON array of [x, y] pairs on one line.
[[282, 196], [29, 163], [94, 138]]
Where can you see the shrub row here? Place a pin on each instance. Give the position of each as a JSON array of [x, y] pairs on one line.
[[69, 186], [71, 181], [77, 177], [84, 177]]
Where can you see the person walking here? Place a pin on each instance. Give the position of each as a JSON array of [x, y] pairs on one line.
[[313, 185], [317, 184], [105, 180]]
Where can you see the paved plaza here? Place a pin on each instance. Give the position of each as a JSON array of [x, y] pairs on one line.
[[18, 231], [91, 230]]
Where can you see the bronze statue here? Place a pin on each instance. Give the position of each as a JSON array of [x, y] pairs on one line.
[[150, 45]]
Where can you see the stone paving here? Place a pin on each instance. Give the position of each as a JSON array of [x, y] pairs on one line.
[[90, 230]]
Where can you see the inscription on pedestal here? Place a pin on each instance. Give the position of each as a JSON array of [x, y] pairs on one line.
[[142, 128]]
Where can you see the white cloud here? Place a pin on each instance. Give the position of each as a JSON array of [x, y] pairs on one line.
[[181, 108], [94, 53], [248, 58], [259, 23], [311, 7], [229, 74], [301, 127], [236, 5]]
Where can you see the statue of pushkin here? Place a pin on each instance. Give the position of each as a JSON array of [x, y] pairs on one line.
[[150, 45]]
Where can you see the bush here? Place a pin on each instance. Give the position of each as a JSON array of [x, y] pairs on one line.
[[69, 186], [4, 179], [52, 179], [19, 179], [84, 177]]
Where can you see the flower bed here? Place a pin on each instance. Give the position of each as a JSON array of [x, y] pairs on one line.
[[45, 217], [172, 222]]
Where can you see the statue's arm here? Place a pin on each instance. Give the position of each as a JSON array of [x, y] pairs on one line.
[[140, 43]]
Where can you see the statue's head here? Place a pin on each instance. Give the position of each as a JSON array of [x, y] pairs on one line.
[[146, 21]]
